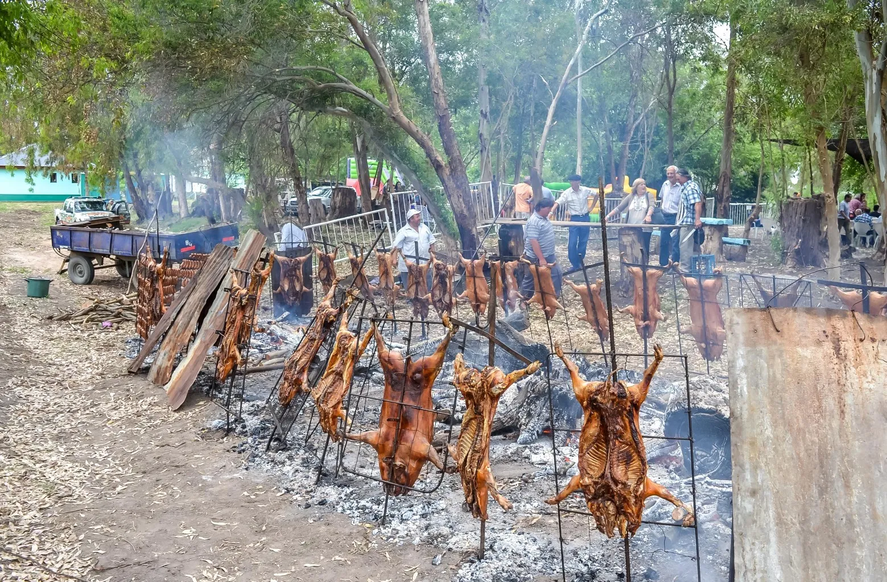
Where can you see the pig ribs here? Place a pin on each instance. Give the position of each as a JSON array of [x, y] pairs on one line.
[[291, 286], [330, 391], [595, 312], [417, 289], [387, 267], [406, 423], [360, 281], [477, 290], [441, 285], [706, 319], [326, 268], [544, 295], [507, 290], [481, 390], [612, 457], [645, 324], [295, 371]]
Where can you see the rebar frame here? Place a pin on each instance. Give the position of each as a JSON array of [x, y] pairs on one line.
[[778, 285]]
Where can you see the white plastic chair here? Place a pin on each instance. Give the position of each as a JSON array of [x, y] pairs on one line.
[[864, 230]]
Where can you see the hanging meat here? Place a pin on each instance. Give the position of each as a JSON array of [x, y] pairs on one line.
[[240, 313], [645, 325], [360, 280], [330, 391], [326, 268], [786, 297], [477, 290], [417, 289], [612, 458], [441, 285], [481, 390], [544, 295], [387, 267], [595, 311], [292, 281], [295, 371], [406, 423], [852, 300], [706, 319], [150, 303], [507, 290]]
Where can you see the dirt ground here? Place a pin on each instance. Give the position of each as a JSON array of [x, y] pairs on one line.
[[100, 481]]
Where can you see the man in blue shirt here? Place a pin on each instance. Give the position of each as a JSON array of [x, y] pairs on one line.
[[689, 214]]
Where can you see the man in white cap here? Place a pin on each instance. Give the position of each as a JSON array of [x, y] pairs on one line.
[[413, 233]]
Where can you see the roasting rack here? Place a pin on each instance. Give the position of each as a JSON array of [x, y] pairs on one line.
[[750, 296]]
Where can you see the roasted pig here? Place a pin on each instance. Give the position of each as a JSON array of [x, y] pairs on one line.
[[507, 290], [441, 286], [360, 280], [477, 290], [387, 268], [852, 300], [256, 283], [417, 289], [595, 311], [481, 390], [544, 295], [612, 457], [786, 297], [292, 281], [406, 423], [646, 326], [330, 391], [326, 268], [706, 319], [295, 371]]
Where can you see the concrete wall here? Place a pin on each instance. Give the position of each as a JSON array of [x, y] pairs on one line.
[[14, 186], [808, 409]]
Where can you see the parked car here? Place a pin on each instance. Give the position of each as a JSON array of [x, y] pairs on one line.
[[81, 209], [322, 193]]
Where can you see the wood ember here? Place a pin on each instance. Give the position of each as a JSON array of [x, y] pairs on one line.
[[119, 310]]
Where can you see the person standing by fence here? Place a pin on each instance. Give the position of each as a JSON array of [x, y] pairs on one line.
[[539, 247], [670, 203], [523, 197], [639, 205], [689, 215], [575, 202]]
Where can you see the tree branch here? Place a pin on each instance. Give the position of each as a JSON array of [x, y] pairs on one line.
[[615, 51]]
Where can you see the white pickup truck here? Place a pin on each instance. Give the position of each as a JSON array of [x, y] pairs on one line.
[[76, 210]]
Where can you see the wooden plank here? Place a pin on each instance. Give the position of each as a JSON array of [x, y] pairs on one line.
[[178, 386], [210, 275], [222, 253]]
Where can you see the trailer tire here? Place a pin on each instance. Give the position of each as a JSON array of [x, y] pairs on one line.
[[80, 270], [124, 268]]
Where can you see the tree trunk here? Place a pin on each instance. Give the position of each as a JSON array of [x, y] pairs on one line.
[[316, 211], [723, 193], [671, 82], [519, 145], [578, 98], [377, 180], [831, 201], [292, 163], [483, 94], [143, 211], [363, 169], [343, 204], [800, 222], [453, 177], [217, 173], [840, 153], [756, 211], [182, 196]]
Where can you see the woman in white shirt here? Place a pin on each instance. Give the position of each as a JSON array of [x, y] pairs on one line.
[[640, 205]]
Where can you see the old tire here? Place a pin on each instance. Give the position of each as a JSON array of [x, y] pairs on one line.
[[124, 268], [80, 270]]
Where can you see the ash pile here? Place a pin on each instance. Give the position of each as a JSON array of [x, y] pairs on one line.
[[522, 543]]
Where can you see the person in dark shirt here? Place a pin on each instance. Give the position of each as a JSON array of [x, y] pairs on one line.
[[876, 212]]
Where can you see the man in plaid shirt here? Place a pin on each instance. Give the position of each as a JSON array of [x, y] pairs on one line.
[[689, 214]]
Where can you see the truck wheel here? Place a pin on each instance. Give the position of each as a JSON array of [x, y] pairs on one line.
[[124, 268], [80, 270]]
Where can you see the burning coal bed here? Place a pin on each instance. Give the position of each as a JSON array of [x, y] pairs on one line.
[[521, 544]]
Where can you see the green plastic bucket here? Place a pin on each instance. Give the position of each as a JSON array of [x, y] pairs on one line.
[[38, 286]]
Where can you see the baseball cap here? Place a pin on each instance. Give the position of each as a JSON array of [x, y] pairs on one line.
[[412, 212]]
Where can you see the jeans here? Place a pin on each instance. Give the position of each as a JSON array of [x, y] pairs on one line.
[[527, 288], [578, 240], [665, 241]]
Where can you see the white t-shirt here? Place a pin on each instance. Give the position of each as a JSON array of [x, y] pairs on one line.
[[291, 237], [406, 239]]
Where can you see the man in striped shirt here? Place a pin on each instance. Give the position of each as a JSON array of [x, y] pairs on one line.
[[689, 214], [539, 247]]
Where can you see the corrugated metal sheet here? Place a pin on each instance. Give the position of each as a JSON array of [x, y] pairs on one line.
[[808, 405]]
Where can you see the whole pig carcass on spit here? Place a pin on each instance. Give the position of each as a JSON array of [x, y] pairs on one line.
[[295, 371], [406, 423], [706, 319], [441, 285], [360, 281], [544, 295], [481, 390], [330, 391], [477, 290], [507, 290], [612, 457], [417, 289], [852, 300], [387, 267], [595, 311], [326, 268], [292, 281], [645, 325], [238, 321]]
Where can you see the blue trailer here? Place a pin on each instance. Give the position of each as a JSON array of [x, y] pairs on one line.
[[85, 249]]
